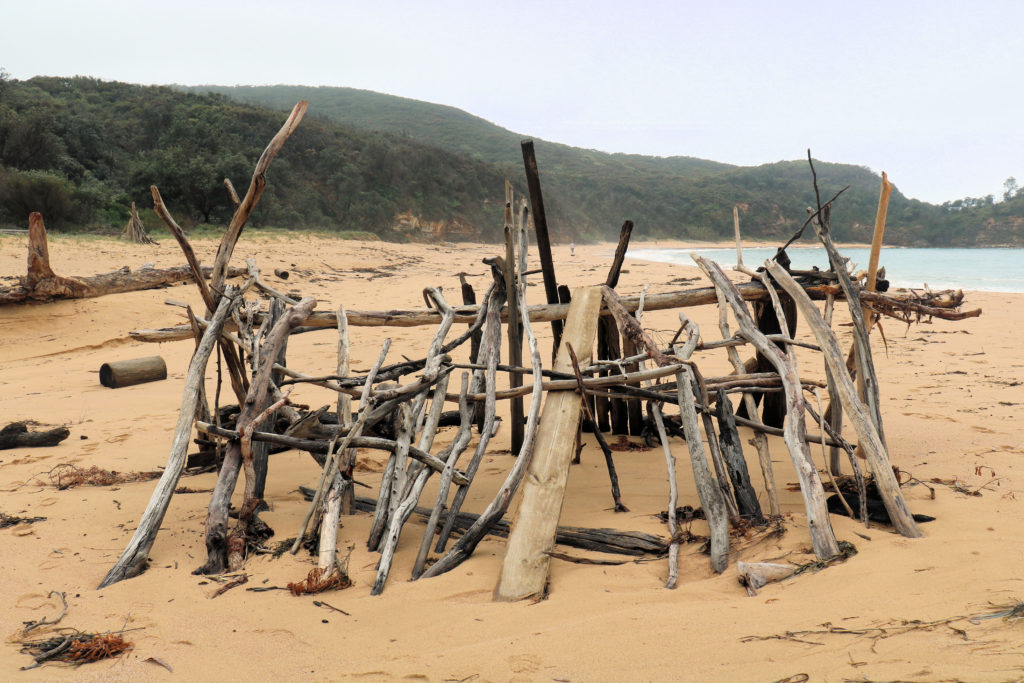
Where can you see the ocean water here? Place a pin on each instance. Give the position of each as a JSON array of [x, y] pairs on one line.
[[986, 270]]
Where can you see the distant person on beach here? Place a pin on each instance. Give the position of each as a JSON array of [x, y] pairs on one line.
[[572, 249]]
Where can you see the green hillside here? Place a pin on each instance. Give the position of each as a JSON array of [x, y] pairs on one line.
[[81, 150], [589, 192]]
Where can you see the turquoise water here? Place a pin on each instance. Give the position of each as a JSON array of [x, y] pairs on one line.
[[986, 270]]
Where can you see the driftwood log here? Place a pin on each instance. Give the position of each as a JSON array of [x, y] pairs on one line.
[[539, 313], [41, 284], [612, 541], [125, 373], [17, 435]]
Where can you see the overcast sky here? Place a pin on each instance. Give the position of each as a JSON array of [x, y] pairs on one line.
[[930, 92]]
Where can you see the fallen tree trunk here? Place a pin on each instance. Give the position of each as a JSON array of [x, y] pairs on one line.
[[41, 284]]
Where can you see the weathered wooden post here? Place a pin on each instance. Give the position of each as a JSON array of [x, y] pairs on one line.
[[525, 570], [540, 224]]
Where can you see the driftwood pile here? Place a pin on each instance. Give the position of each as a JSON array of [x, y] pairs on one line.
[[399, 405]]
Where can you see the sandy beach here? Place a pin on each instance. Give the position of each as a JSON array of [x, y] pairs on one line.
[[951, 396]]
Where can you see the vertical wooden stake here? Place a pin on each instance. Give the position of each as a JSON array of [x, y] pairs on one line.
[[876, 248], [515, 336], [736, 227], [540, 224]]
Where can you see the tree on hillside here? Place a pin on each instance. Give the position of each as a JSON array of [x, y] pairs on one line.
[[1009, 188]]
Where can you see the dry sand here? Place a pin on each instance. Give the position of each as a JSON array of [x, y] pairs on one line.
[[951, 393]]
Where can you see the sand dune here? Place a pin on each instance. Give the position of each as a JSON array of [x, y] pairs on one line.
[[952, 393]]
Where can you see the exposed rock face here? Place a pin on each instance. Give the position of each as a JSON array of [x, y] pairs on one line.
[[417, 227]]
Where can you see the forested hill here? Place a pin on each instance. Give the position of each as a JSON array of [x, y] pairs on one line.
[[593, 191], [81, 150]]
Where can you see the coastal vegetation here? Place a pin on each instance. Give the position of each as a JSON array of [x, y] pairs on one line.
[[80, 150]]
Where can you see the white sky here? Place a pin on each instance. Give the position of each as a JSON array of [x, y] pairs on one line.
[[930, 91]]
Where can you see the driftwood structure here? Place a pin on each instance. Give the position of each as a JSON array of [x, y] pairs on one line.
[[399, 405], [134, 229]]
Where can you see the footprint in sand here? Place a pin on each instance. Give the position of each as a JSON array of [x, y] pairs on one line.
[[56, 558], [34, 601], [986, 430], [524, 664], [46, 502]]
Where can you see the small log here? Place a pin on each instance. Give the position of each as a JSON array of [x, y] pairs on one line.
[[525, 569], [282, 273], [125, 373], [17, 435]]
